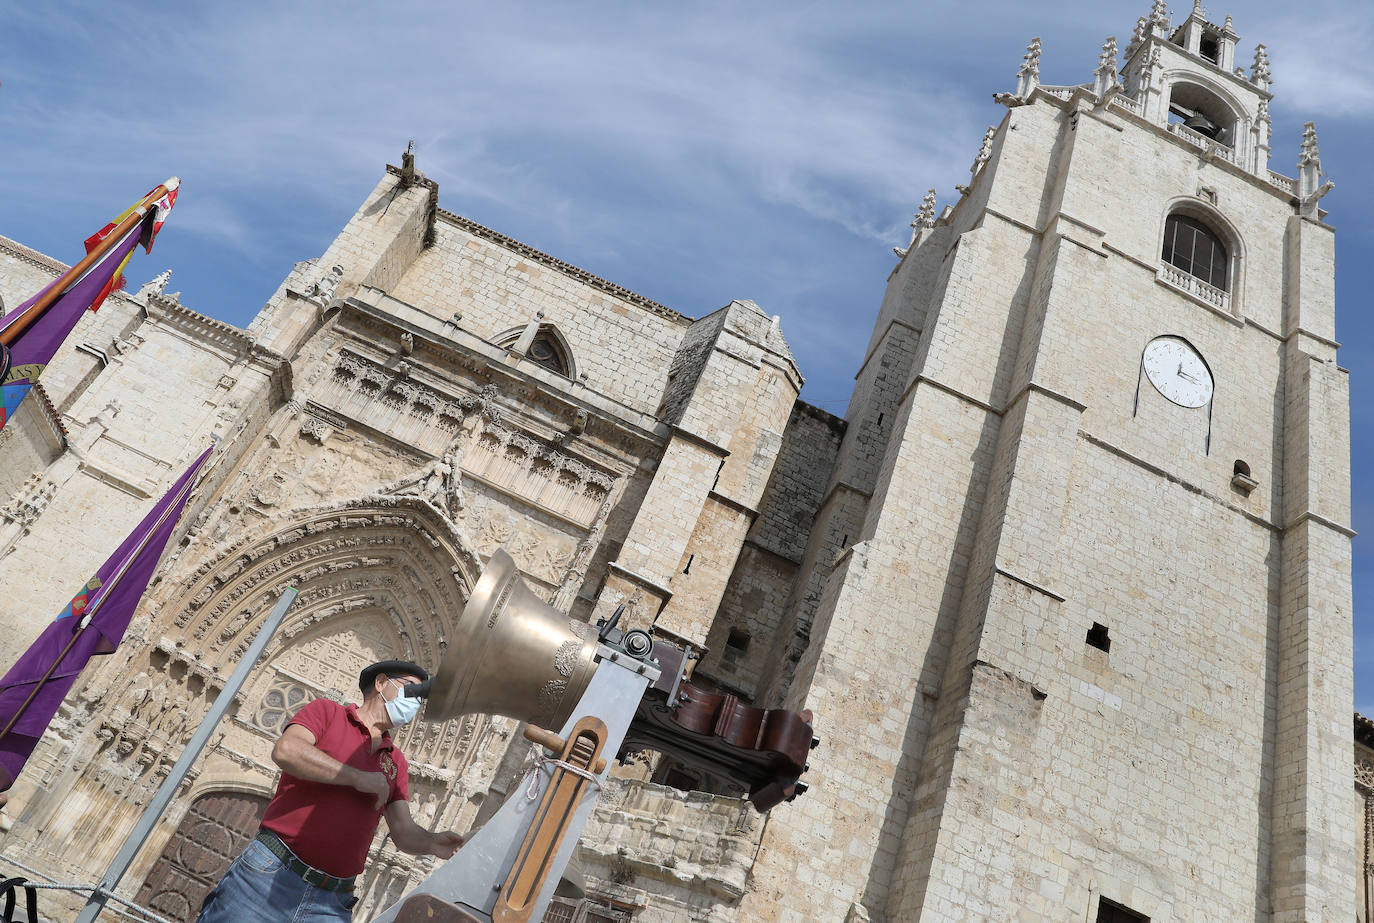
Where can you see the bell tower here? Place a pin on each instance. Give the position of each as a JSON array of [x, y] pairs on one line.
[[1078, 607], [1186, 81]]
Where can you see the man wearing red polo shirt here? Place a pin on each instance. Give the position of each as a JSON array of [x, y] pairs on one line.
[[340, 774]]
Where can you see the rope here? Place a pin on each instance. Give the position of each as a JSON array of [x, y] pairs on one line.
[[532, 790], [144, 915]]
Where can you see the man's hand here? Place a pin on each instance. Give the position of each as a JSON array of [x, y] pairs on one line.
[[373, 783], [444, 843], [412, 838]]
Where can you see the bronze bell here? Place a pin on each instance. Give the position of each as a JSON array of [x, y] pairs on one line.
[[513, 654], [1202, 125]]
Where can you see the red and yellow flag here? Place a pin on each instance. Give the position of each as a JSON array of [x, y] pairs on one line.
[[151, 227]]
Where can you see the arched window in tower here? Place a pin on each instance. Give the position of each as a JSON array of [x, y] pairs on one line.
[[1210, 47], [1194, 248]]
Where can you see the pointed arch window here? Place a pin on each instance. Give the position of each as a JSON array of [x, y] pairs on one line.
[[547, 348], [1194, 248]]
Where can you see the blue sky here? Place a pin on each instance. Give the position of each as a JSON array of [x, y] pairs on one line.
[[693, 152]]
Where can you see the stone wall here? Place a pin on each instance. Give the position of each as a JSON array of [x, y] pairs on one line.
[[741, 642], [623, 345], [678, 855]]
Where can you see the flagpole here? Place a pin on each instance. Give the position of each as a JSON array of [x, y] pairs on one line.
[[85, 618], [153, 813], [21, 323], [128, 561]]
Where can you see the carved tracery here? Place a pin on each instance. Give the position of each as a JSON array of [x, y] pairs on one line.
[[540, 474], [1364, 777]]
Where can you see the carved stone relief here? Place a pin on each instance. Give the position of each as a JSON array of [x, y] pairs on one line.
[[541, 547], [539, 474], [391, 400], [269, 490], [23, 509], [440, 482]]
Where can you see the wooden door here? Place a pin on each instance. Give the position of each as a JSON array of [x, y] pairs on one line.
[[216, 829]]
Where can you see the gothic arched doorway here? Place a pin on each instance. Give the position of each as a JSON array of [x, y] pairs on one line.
[[215, 829]]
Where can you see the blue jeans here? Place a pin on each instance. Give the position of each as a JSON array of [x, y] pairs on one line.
[[258, 888]]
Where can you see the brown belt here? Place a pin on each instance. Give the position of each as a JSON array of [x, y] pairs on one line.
[[310, 874]]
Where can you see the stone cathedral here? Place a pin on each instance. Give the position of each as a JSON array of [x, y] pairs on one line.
[[1068, 588]]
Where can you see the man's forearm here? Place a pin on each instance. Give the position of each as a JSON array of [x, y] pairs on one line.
[[309, 762], [415, 840], [412, 838], [421, 842]]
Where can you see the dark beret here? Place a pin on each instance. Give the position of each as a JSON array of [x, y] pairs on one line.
[[390, 668]]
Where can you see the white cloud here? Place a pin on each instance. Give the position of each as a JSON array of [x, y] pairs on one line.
[[1321, 61]]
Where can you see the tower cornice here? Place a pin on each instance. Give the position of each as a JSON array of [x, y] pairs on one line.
[[1272, 181]]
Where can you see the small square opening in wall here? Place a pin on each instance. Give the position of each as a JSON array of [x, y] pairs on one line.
[[737, 642], [1210, 49], [1098, 637]]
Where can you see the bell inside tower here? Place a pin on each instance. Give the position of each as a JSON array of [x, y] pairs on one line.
[[1203, 112]]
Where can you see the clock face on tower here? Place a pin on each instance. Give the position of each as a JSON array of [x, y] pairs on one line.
[[1177, 371]]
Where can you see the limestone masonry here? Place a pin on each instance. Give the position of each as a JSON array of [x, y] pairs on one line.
[[1068, 588]]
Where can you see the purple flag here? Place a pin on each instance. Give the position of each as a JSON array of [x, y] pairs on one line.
[[93, 623], [37, 345]]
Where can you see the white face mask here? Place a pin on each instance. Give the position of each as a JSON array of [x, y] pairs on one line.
[[402, 709]]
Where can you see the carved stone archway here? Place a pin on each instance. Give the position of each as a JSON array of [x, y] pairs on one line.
[[378, 548]]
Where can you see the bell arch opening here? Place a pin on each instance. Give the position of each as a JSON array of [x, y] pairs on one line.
[[1201, 111]]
